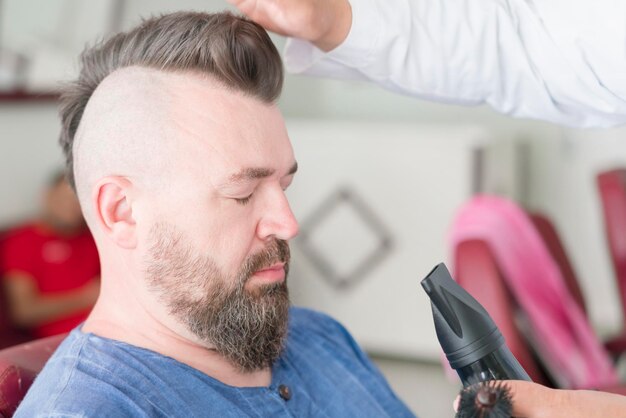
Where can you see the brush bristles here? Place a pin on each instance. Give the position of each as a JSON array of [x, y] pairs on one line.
[[485, 400]]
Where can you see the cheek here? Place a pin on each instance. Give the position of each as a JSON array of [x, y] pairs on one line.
[[224, 232], [216, 227], [232, 240]]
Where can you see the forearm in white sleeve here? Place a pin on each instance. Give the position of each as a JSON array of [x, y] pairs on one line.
[[558, 60]]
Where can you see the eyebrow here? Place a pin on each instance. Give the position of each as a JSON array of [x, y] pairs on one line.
[[252, 173]]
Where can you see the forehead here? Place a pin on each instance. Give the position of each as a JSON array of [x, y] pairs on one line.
[[225, 130]]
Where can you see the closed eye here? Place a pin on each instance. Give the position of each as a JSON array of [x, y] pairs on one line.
[[244, 200]]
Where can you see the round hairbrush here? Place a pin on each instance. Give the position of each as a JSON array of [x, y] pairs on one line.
[[485, 400]]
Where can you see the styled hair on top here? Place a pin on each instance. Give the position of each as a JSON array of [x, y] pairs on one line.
[[235, 51]]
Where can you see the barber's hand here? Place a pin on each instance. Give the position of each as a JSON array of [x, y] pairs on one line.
[[325, 23], [531, 400]]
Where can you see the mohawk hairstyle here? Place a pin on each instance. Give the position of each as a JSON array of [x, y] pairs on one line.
[[235, 51]]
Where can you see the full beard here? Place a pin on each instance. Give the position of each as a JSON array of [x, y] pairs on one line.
[[246, 326]]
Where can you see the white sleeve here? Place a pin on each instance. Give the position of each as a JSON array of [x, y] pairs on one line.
[[559, 60]]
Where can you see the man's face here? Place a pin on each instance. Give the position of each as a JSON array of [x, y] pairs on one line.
[[61, 207], [216, 247]]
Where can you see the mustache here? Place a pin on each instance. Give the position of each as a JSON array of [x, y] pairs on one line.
[[277, 251]]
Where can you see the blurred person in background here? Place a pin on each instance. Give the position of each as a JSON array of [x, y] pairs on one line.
[[51, 266]]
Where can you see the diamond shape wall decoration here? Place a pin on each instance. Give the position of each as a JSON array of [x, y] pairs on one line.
[[344, 239]]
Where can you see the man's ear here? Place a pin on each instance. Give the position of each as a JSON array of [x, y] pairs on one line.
[[113, 210]]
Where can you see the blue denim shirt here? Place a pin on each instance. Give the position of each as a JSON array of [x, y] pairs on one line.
[[326, 372]]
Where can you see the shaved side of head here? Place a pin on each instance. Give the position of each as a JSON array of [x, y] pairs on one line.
[[123, 131], [114, 114]]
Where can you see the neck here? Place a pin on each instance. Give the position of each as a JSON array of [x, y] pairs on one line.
[[120, 316], [59, 228]]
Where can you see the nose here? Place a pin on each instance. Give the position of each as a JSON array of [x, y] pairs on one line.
[[278, 220]]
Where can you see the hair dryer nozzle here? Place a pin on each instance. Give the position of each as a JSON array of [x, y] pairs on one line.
[[465, 330]]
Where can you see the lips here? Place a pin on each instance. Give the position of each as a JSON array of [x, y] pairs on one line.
[[275, 272]]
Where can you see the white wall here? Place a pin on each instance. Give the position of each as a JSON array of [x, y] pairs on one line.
[[559, 177], [28, 156]]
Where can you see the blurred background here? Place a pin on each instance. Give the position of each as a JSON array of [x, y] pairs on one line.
[[381, 178]]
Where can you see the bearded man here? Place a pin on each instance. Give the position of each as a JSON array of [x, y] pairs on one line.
[[180, 159]]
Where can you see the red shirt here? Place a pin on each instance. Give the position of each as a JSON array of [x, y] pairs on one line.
[[56, 263]]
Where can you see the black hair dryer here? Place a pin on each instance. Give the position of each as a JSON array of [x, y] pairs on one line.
[[472, 342]]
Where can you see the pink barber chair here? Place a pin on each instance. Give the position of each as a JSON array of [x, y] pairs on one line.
[[612, 188]]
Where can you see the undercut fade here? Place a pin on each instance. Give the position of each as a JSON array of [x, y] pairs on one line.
[[234, 51]]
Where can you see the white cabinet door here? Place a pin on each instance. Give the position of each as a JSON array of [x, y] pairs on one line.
[[359, 184]]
